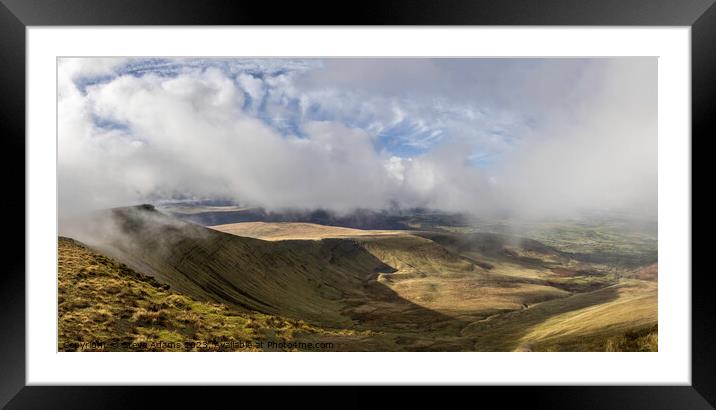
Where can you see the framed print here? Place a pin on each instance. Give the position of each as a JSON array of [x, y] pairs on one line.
[[411, 194]]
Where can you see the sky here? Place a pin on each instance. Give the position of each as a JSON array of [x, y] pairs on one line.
[[540, 137]]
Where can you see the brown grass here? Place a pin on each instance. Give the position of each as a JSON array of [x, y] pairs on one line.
[[279, 231], [103, 303], [615, 325]]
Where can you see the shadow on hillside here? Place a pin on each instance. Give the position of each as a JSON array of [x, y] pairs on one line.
[[374, 305], [504, 332]]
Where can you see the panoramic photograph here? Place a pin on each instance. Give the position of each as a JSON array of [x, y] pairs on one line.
[[357, 204]]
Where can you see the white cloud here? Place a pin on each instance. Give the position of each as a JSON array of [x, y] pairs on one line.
[[254, 87], [562, 134], [396, 167]]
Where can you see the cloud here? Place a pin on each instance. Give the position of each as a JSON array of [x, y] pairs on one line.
[[477, 135], [253, 86], [600, 153]]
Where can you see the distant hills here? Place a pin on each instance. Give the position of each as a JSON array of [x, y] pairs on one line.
[[391, 219]]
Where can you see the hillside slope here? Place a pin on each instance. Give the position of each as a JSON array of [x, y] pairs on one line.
[[416, 291], [319, 281], [104, 305], [281, 231], [591, 321]]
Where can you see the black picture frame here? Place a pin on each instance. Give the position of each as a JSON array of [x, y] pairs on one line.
[[16, 15]]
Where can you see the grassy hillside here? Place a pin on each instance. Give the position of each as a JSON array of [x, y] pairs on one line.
[[281, 231], [104, 305], [329, 282], [592, 321], [403, 290]]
